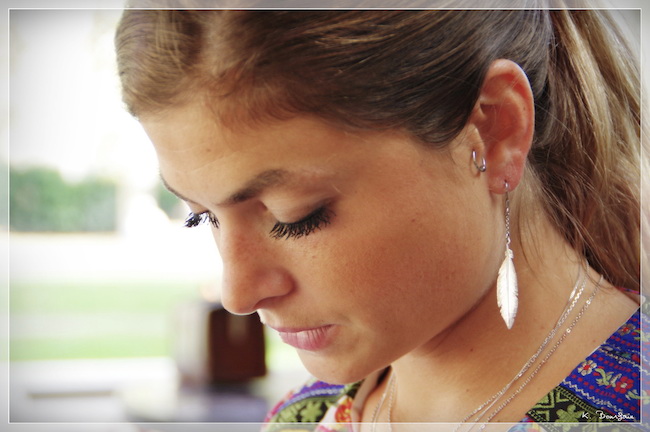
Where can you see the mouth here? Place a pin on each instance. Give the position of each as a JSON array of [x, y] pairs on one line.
[[308, 339]]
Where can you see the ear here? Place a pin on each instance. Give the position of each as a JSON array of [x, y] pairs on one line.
[[504, 118]]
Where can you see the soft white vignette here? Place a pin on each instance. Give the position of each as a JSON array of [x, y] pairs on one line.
[[5, 155]]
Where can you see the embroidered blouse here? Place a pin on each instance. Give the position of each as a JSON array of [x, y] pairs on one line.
[[605, 387]]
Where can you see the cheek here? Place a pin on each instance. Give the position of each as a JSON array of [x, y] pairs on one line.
[[394, 283], [416, 269], [409, 261]]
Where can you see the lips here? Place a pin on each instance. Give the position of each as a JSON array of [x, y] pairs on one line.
[[308, 339]]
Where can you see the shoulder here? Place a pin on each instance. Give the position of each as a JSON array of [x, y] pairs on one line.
[[311, 402], [606, 386]]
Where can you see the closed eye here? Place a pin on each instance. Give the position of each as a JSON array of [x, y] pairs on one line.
[[314, 221], [302, 228], [195, 219]]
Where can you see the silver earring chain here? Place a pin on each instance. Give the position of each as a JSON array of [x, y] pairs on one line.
[[507, 217]]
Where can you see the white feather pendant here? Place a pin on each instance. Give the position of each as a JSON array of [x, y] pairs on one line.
[[507, 289]]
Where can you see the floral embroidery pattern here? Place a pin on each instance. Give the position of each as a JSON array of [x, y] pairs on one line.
[[313, 403], [623, 384], [587, 367], [570, 415], [343, 412], [605, 387]]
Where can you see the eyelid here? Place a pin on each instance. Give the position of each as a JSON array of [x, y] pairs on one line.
[[304, 218], [312, 222]]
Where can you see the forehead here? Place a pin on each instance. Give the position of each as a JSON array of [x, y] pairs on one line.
[[186, 136], [192, 145], [192, 135]]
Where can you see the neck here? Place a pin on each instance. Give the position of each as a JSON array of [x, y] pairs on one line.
[[475, 357]]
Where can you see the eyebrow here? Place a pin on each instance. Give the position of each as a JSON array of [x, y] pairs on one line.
[[254, 187]]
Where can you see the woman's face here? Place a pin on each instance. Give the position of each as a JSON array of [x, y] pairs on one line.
[[357, 247]]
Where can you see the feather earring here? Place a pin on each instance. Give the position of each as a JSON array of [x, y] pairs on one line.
[[507, 277]]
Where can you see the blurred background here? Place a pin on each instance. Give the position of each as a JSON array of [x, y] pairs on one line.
[[111, 302], [110, 297]]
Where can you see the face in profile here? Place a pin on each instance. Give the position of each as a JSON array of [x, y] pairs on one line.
[[352, 245], [362, 246]]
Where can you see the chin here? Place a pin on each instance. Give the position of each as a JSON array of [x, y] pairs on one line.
[[334, 371]]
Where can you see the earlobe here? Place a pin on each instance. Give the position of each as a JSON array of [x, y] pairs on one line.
[[504, 118]]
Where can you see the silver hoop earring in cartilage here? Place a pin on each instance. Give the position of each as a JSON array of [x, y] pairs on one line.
[[483, 166]]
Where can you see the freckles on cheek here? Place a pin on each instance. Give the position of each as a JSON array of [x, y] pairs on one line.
[[372, 272], [411, 263]]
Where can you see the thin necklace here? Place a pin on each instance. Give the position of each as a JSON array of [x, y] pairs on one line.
[[573, 299], [375, 414], [549, 354]]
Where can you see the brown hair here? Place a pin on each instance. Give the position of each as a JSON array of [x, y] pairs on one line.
[[420, 71]]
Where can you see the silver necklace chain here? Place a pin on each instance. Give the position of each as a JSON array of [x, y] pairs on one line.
[[485, 407], [573, 300], [549, 354], [375, 414]]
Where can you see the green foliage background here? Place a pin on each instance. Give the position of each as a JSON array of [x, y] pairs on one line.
[[41, 200]]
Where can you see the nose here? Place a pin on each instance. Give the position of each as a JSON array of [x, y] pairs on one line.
[[252, 273]]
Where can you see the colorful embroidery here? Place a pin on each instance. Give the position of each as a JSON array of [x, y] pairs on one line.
[[311, 404], [604, 388]]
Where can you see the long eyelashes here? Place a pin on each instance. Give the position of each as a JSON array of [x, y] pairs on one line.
[[302, 228], [194, 219]]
